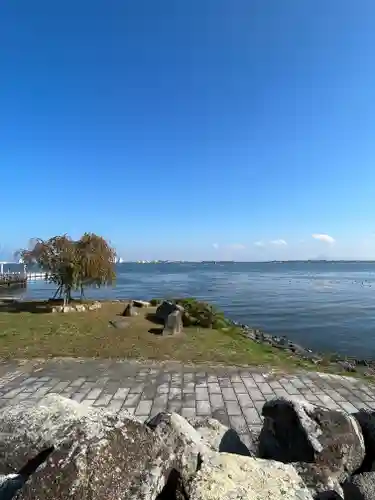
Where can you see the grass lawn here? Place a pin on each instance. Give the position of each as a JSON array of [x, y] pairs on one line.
[[35, 332]]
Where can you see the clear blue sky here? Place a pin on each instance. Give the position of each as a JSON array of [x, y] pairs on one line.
[[198, 129]]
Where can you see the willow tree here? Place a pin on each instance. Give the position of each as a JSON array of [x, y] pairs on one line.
[[73, 264]]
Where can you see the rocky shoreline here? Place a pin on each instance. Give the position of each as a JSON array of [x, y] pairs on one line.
[[349, 364], [61, 449]]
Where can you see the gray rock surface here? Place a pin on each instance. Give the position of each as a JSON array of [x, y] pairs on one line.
[[188, 445], [96, 454], [173, 324], [141, 303], [232, 477], [328, 444], [129, 311], [366, 420], [165, 309], [219, 437], [360, 487]]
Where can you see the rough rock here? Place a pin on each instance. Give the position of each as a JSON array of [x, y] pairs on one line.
[[219, 437], [165, 309], [330, 441], [68, 309], [141, 303], [360, 487], [366, 420], [96, 305], [225, 476], [129, 311], [80, 308], [319, 479], [173, 324], [180, 436], [95, 454]]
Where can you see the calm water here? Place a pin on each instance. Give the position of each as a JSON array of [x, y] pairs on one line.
[[325, 306]]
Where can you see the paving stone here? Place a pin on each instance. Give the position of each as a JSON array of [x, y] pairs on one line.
[[60, 386], [291, 390], [132, 400], [252, 416], [188, 387], [233, 408], [224, 382], [115, 404], [12, 394], [265, 388], [94, 393], [228, 394], [137, 389], [201, 393], [238, 423], [77, 382], [348, 407], [250, 383], [214, 388], [144, 408], [189, 400], [79, 396], [256, 395], [217, 401], [103, 400], [274, 384], [203, 408], [121, 393], [239, 388], [245, 401]]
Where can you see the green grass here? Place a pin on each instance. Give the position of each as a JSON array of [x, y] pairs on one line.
[[35, 332]]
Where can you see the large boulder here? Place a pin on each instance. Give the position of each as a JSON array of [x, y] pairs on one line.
[[165, 309], [366, 420], [92, 454], [187, 444], [360, 487], [219, 437], [328, 444], [232, 477], [173, 324]]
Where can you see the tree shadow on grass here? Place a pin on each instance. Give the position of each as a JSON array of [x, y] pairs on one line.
[[31, 306]]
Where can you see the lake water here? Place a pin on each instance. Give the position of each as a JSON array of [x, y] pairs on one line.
[[324, 306]]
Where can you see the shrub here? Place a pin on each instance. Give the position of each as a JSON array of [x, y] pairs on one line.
[[202, 314], [155, 302]]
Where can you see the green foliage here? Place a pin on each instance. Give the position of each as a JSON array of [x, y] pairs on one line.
[[73, 265], [155, 302], [202, 314]]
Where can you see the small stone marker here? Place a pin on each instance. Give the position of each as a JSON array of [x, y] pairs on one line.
[[173, 325], [141, 303], [129, 311]]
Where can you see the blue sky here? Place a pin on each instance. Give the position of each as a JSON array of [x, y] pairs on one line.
[[204, 129]]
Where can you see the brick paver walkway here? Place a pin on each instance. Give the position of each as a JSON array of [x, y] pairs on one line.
[[233, 396]]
